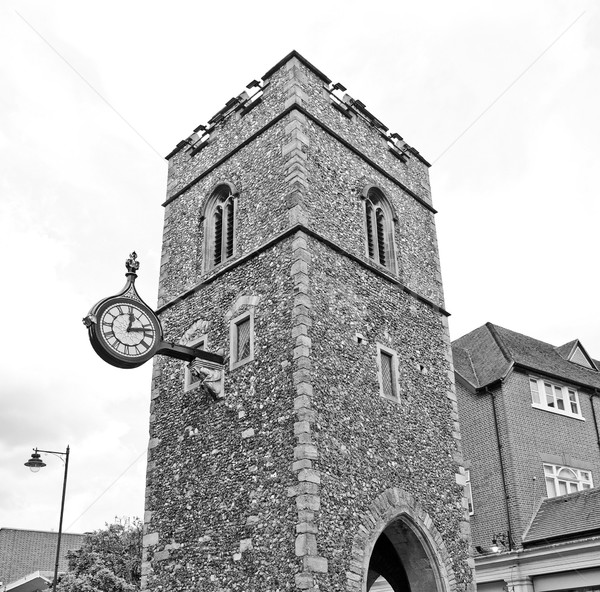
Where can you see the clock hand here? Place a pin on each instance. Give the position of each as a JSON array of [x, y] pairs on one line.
[[131, 319], [136, 329]]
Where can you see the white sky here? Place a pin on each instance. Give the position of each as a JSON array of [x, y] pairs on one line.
[[80, 189]]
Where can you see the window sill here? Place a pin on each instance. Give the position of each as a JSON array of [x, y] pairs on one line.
[[557, 412], [391, 399], [389, 270], [207, 272], [235, 365]]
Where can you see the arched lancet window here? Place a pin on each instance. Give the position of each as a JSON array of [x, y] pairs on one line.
[[219, 226], [379, 228]]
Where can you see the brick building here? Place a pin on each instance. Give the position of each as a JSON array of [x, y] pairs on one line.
[[299, 241], [530, 415], [27, 557]]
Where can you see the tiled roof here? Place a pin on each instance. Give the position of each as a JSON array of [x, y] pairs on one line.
[[488, 362], [463, 361], [568, 516], [25, 551], [485, 355], [567, 348]]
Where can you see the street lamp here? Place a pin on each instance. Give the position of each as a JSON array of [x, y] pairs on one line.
[[35, 463]]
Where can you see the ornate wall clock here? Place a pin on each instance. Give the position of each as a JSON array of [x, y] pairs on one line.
[[125, 332]]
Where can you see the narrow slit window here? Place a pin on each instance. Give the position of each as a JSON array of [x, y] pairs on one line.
[[381, 237], [229, 237], [243, 340], [388, 376], [369, 223], [218, 234]]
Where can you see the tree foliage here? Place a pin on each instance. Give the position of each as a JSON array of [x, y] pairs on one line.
[[110, 560]]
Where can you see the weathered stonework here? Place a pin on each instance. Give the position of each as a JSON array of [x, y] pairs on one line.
[[292, 480]]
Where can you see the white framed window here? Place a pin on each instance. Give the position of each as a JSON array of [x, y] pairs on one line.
[[189, 380], [387, 370], [379, 228], [469, 492], [219, 226], [554, 397], [241, 334], [565, 480]]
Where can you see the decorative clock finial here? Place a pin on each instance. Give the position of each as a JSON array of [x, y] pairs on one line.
[[125, 332], [132, 264]]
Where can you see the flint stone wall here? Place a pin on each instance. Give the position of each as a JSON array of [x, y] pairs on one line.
[[275, 487]]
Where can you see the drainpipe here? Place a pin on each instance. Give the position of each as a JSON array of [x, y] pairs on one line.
[[596, 392], [502, 471]]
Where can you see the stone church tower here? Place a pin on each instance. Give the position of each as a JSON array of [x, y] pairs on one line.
[[299, 242]]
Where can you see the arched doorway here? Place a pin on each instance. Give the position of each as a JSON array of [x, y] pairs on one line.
[[399, 549], [401, 557]]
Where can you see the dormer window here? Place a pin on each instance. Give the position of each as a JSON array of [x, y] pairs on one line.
[[379, 228], [219, 226], [575, 352]]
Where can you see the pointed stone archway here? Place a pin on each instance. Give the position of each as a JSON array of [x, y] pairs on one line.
[[397, 540]]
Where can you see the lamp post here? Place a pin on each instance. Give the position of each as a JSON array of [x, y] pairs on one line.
[[35, 463]]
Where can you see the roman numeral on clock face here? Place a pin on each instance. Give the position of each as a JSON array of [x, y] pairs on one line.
[[127, 331]]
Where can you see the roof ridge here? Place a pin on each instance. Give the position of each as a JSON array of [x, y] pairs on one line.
[[534, 515], [503, 348], [472, 365]]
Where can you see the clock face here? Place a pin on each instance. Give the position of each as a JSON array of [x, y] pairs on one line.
[[127, 332]]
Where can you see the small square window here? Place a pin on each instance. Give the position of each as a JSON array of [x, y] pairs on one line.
[[388, 372], [242, 339]]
